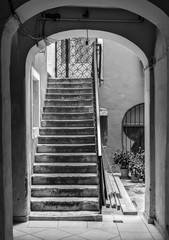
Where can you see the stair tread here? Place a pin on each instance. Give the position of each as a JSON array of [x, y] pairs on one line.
[[64, 186], [67, 154], [66, 128], [65, 174], [68, 94], [66, 164], [82, 113], [67, 136], [64, 199], [62, 88], [66, 144], [68, 120], [67, 106]]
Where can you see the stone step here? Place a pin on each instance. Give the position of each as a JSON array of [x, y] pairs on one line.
[[64, 204], [65, 168], [69, 90], [65, 179], [65, 103], [66, 216], [59, 148], [72, 97], [69, 85], [68, 109], [67, 131], [69, 80], [66, 139], [65, 157], [68, 116], [67, 123], [64, 191]]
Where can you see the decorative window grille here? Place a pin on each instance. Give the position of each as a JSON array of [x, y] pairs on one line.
[[133, 129], [74, 58]]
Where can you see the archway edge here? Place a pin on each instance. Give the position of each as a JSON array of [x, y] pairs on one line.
[[143, 8], [104, 35]]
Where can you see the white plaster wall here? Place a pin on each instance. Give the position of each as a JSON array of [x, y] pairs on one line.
[[40, 64], [123, 88], [51, 59]]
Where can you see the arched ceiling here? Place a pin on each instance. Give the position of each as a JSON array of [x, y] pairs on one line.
[[117, 21]]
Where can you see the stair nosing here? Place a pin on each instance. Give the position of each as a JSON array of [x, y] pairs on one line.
[[65, 164], [63, 199]]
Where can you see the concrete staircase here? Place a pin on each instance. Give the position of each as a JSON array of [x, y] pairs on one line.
[[65, 182]]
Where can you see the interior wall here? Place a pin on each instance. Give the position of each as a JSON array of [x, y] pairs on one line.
[[51, 59], [22, 141], [123, 87], [40, 64], [161, 95]]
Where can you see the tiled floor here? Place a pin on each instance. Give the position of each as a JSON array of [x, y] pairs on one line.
[[116, 227]]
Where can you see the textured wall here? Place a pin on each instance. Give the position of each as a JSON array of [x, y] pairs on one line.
[[122, 88]]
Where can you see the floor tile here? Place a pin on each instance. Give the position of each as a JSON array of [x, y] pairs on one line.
[[101, 225], [110, 230], [17, 233], [129, 219], [74, 238], [157, 236], [116, 238], [108, 218], [28, 237], [52, 234], [75, 230], [136, 236], [32, 230], [152, 228], [97, 234], [73, 224], [42, 224], [132, 228], [20, 225]]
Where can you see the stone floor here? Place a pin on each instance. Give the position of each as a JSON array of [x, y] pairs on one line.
[[116, 227]]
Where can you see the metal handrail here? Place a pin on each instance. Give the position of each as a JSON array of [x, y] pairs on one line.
[[96, 84]]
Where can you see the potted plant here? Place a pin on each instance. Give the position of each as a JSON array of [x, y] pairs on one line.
[[122, 158], [137, 166]]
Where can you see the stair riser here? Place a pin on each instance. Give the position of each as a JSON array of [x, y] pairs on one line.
[[51, 103], [69, 97], [67, 149], [66, 140], [70, 116], [56, 192], [64, 169], [71, 80], [65, 206], [68, 91], [40, 180], [67, 109], [67, 124], [85, 131], [69, 85], [55, 159]]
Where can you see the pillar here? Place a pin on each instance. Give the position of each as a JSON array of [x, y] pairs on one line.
[[149, 145]]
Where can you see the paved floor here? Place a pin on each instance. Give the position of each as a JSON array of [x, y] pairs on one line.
[[116, 227]]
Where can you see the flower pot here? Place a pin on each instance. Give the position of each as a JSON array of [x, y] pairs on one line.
[[124, 173], [135, 179]]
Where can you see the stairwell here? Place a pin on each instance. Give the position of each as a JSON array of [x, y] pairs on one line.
[[65, 181]]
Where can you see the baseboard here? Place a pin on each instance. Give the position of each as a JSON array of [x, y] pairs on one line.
[[148, 219], [20, 218], [159, 228]]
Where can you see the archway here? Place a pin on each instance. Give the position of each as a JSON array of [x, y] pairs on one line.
[[11, 27]]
